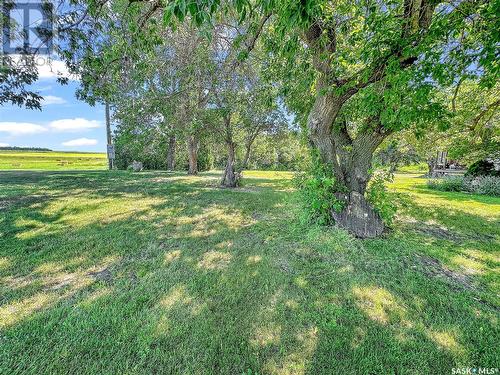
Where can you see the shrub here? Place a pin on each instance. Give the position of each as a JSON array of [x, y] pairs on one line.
[[470, 185], [486, 185], [317, 187], [380, 198], [482, 168], [450, 183]]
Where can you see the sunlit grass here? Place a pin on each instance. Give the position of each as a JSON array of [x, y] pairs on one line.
[[155, 272], [415, 185], [379, 304]]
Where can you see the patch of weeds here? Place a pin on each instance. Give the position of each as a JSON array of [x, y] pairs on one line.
[[380, 198], [317, 191]]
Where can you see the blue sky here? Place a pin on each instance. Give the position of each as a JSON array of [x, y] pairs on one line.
[[64, 123]]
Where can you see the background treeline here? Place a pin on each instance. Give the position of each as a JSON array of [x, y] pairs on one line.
[[218, 83], [281, 152], [14, 148]]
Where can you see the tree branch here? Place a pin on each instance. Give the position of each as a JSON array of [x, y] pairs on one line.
[[492, 106], [313, 37], [455, 94]]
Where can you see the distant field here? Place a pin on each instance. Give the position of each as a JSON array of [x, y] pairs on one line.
[[51, 160]]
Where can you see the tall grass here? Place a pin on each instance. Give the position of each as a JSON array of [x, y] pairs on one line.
[[486, 185]]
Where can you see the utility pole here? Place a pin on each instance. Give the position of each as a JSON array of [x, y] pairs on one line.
[[110, 147]]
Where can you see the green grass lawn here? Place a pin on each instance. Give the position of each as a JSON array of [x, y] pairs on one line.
[[51, 160], [123, 273]]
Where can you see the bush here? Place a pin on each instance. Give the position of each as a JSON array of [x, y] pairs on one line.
[[488, 185], [317, 188], [485, 185], [380, 198], [482, 168], [449, 183]]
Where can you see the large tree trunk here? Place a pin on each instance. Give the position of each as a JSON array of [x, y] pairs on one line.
[[358, 217], [171, 153], [193, 146], [351, 161]]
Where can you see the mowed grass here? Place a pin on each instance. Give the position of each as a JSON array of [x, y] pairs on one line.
[[51, 160], [123, 273]]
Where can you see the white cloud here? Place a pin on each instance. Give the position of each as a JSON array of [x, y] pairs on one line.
[[51, 99], [51, 69], [4, 144], [21, 128], [80, 142], [47, 68], [74, 125], [44, 88]]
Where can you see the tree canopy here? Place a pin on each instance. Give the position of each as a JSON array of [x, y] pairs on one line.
[[352, 75]]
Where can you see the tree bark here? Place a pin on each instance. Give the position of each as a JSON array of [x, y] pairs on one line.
[[351, 161], [193, 146], [230, 177], [171, 153], [109, 138], [246, 158], [358, 217]]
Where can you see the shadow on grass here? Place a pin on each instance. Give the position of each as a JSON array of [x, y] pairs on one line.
[[175, 276]]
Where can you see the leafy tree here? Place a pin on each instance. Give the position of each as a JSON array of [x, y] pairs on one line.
[[470, 132], [19, 68], [15, 76], [374, 69], [361, 71], [474, 132], [261, 114]]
